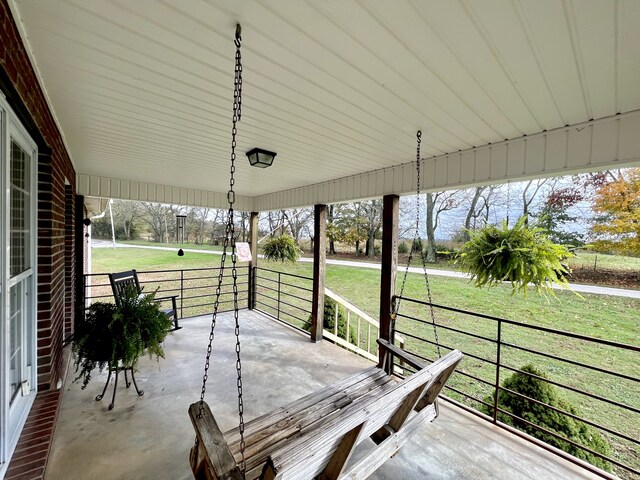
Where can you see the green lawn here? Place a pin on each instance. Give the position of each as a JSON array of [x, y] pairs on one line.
[[191, 246], [605, 317], [592, 260]]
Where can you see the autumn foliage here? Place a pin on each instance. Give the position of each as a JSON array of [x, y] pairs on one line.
[[617, 205]]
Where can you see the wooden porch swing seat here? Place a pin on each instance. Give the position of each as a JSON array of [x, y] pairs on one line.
[[315, 436], [122, 280]]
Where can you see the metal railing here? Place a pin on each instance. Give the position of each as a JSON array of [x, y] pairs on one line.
[[288, 298], [283, 296], [195, 288], [608, 392], [493, 347]]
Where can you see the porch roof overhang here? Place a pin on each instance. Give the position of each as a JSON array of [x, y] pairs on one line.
[[502, 91]]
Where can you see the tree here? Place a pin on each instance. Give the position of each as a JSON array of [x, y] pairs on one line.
[[617, 205], [161, 220], [197, 224], [531, 190], [554, 215], [297, 219], [333, 232], [217, 229], [355, 223], [128, 218], [129, 215], [372, 215], [478, 209], [436, 204]]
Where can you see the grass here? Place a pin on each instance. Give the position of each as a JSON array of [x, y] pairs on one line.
[[611, 318], [591, 260], [191, 246]]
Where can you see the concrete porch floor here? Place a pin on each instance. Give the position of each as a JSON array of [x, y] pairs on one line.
[[149, 437]]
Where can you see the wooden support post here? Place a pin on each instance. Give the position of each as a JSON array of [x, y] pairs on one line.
[[319, 261], [253, 243], [388, 272]]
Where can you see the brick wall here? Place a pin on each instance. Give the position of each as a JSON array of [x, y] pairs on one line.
[[56, 275], [69, 260]]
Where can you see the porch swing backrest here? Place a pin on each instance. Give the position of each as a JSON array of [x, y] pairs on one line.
[[315, 436]]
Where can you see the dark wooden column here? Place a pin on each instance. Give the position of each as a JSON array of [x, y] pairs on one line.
[[389, 266], [253, 243], [319, 261]]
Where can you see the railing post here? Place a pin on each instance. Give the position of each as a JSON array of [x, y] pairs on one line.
[[279, 275], [497, 384], [251, 294], [181, 291], [253, 242]]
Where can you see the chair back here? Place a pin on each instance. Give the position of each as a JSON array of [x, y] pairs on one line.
[[121, 281]]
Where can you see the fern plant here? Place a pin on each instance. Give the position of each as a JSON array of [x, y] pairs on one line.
[[109, 336], [522, 255], [282, 248]]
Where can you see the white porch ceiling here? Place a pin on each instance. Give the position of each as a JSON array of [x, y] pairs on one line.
[[143, 90]]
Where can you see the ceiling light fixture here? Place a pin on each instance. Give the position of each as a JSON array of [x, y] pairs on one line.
[[260, 158]]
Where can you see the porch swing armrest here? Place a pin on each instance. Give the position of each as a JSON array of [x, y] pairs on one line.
[[211, 458], [409, 359]]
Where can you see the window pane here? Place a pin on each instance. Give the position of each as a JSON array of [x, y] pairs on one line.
[[20, 221], [15, 340]]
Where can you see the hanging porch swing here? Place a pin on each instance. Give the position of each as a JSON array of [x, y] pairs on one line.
[[314, 436]]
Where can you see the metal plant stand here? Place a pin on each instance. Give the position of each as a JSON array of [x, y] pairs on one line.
[[117, 369]]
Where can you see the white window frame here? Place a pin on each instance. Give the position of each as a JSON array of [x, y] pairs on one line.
[[16, 416]]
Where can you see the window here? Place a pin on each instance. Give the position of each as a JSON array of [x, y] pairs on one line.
[[18, 317]]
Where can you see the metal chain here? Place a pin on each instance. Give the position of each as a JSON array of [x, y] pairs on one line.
[[422, 256], [230, 238], [508, 201]]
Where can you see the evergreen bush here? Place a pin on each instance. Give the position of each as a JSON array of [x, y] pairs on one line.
[[416, 246], [329, 321], [281, 248], [403, 248], [563, 425]]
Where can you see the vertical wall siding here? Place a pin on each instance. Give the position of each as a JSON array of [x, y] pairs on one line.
[[105, 187], [24, 94], [611, 142]]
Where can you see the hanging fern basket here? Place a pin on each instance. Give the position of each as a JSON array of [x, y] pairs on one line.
[[282, 248], [522, 255]]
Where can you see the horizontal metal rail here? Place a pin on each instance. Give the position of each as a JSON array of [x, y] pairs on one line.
[[190, 286], [504, 349], [273, 290]]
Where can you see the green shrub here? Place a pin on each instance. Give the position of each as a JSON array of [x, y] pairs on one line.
[[551, 420], [445, 253], [521, 255], [416, 245], [329, 321], [281, 248], [403, 248]]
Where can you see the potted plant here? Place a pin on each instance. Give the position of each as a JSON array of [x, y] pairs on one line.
[[282, 248], [522, 255], [116, 336]]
